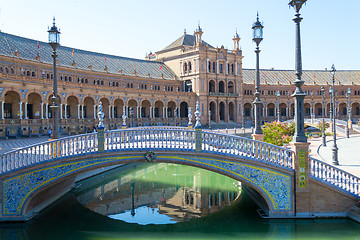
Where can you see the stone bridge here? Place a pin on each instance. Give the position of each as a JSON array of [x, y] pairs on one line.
[[285, 183]]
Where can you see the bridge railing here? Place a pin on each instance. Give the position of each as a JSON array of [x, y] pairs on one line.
[[135, 139], [245, 147], [335, 177], [49, 151]]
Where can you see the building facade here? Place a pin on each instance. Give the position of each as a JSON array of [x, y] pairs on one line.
[[160, 90]]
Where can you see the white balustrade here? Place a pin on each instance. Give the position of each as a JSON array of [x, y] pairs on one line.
[[335, 177], [147, 138]]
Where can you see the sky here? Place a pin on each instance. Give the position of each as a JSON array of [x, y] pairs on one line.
[[329, 30]]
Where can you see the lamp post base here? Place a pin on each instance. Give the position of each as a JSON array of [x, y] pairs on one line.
[[258, 137]]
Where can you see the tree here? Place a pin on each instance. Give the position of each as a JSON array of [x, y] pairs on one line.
[[278, 133]]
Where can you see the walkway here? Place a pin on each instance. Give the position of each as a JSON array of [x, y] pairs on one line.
[[348, 152]]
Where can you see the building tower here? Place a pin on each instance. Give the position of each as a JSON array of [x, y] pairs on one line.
[[236, 40], [198, 33]]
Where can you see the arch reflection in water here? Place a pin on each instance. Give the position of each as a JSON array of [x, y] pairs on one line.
[[160, 193]]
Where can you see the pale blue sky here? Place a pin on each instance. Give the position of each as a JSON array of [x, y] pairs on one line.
[[330, 29]]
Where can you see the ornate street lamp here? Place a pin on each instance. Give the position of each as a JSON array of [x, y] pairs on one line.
[[278, 105], [54, 41], [257, 38], [348, 112], [322, 113], [298, 95], [334, 148]]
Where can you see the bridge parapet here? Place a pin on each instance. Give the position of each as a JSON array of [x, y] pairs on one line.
[[334, 177], [152, 138]]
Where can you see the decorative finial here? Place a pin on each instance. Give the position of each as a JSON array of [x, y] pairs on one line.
[[257, 15], [101, 115], [54, 21], [184, 31], [124, 118], [197, 116], [190, 118]]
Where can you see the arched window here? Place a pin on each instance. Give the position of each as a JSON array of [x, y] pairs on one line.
[[230, 87], [6, 70], [12, 71], [33, 73], [213, 68], [232, 69], [209, 66], [189, 67], [185, 68], [221, 87], [66, 78], [70, 79], [28, 73]]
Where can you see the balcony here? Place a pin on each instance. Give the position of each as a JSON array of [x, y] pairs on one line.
[[219, 94]]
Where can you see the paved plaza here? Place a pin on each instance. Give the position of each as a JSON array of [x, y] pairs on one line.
[[348, 152]]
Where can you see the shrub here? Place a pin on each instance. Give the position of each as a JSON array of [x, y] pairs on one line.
[[278, 133]]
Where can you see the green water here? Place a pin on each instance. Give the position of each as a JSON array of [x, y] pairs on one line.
[[167, 201]]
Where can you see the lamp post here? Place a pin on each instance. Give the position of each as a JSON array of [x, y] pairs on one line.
[[257, 38], [322, 113], [298, 95], [348, 112], [278, 105], [335, 160], [54, 41], [132, 116]]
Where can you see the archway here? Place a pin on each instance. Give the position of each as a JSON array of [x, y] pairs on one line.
[[11, 105], [222, 111], [183, 109], [33, 110], [212, 108], [118, 108], [211, 86], [231, 88], [231, 111], [158, 112], [221, 87], [145, 109], [170, 109], [89, 104]]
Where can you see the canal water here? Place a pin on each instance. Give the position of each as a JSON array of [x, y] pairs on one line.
[[166, 201]]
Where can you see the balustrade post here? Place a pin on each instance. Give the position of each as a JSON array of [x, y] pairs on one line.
[[198, 131], [100, 130]]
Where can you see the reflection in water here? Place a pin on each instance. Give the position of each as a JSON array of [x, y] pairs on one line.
[[67, 219], [161, 194]]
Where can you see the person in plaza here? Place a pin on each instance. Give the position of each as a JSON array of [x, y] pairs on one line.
[[49, 132]]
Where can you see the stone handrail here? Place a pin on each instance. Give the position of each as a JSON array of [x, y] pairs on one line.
[[152, 138], [335, 177], [49, 151]]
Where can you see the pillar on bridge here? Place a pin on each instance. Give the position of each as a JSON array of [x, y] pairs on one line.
[[100, 130], [302, 188], [198, 137]]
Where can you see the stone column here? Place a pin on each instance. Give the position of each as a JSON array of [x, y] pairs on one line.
[[110, 116], [150, 112], [166, 112], [65, 111], [41, 110], [2, 110], [25, 114], [78, 111], [47, 110], [163, 114], [20, 110], [82, 111], [61, 111], [137, 111]]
